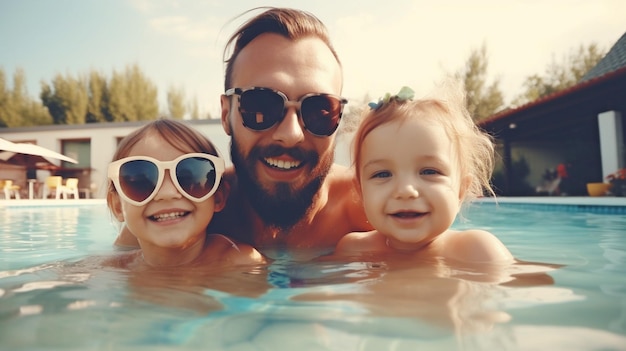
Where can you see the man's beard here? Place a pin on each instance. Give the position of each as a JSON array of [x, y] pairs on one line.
[[286, 206]]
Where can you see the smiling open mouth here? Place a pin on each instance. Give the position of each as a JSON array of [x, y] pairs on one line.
[[281, 164], [168, 216]]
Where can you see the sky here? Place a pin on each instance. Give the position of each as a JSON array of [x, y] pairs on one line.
[[383, 45]]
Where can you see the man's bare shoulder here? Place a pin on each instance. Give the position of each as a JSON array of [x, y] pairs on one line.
[[341, 184], [343, 193]]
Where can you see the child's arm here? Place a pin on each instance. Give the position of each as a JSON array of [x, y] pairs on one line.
[[237, 254], [476, 246], [246, 255], [360, 242]]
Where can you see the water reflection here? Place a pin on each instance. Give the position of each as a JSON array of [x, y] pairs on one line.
[[32, 235], [196, 289], [24, 229], [450, 298], [366, 303]]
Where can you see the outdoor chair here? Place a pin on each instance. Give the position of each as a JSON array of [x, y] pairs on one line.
[[53, 184], [70, 188], [10, 190]]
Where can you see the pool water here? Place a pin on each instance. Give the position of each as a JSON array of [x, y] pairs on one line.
[[570, 294]]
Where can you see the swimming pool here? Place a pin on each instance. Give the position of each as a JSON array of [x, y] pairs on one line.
[[51, 297]]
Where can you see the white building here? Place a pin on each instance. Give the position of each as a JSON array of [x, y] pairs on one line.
[[93, 146]]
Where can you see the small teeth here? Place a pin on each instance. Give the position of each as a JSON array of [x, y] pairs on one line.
[[168, 216], [282, 164]]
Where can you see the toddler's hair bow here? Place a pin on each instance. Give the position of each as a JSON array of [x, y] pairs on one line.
[[404, 94]]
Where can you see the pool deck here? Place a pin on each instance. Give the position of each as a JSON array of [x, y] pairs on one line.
[[50, 202]]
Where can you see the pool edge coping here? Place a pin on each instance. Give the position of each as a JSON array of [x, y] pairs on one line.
[[558, 200], [601, 201]]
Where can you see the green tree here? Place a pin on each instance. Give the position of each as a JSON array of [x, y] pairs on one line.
[[142, 93], [131, 96], [194, 111], [483, 100], [127, 96], [96, 103], [18, 95], [34, 114], [560, 75], [66, 99], [8, 117], [176, 102], [118, 108], [17, 108]]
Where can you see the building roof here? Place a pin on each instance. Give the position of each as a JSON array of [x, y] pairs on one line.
[[589, 84], [601, 89], [612, 61]]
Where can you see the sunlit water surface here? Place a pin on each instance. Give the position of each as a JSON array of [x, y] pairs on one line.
[[52, 296]]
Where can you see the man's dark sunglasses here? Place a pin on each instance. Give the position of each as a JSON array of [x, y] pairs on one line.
[[263, 108]]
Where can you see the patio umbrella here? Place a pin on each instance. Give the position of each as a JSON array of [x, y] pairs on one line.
[[28, 161], [30, 155]]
